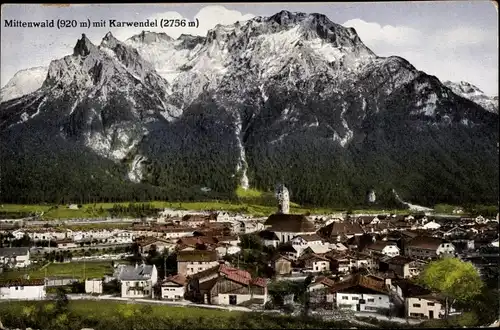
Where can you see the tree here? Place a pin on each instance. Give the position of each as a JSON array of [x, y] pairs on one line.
[[61, 300], [307, 297], [457, 281]]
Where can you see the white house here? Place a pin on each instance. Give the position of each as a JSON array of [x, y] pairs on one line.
[[173, 288], [424, 247], [93, 286], [301, 242], [383, 247], [224, 249], [18, 233], [419, 302], [317, 249], [66, 244], [16, 257], [362, 294], [138, 281], [23, 290], [316, 263], [178, 232], [195, 261], [480, 219], [431, 225]]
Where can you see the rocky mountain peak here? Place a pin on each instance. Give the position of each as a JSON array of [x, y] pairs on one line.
[[83, 46], [148, 37]]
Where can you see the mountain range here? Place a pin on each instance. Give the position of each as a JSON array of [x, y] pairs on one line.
[[291, 98]]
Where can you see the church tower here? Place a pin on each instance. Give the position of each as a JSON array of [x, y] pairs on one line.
[[283, 198]]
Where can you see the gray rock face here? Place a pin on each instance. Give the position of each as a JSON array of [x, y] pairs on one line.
[[292, 95]]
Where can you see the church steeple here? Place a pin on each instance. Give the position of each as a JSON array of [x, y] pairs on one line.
[[283, 198]]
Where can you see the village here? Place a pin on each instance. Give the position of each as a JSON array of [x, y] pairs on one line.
[[364, 264]]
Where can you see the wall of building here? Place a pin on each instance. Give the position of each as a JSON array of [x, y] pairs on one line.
[[23, 292], [172, 293], [416, 307], [373, 302], [187, 268], [446, 248], [129, 289], [93, 286], [320, 266]]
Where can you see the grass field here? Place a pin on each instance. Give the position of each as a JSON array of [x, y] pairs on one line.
[[111, 315], [81, 270], [251, 201]]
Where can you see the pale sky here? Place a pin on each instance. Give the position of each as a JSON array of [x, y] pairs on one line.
[[453, 40]]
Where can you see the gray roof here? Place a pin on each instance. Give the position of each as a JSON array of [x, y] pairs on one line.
[[14, 251], [138, 272]]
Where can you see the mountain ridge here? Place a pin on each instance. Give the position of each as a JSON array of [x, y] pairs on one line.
[[290, 97]]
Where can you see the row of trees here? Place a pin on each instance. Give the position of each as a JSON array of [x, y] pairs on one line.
[[134, 210]]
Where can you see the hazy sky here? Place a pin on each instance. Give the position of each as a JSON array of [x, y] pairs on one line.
[[451, 40]]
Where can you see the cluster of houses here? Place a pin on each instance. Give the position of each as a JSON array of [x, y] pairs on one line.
[[362, 263]]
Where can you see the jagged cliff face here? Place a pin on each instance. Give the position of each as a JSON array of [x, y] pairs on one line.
[[292, 96]]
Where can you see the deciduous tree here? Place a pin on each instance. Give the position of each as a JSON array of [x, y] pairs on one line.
[[454, 279]]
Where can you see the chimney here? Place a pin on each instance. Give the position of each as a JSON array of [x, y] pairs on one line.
[[388, 282], [136, 265]]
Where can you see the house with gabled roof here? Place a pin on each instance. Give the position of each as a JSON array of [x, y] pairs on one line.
[[318, 291], [316, 249], [425, 247], [303, 241], [336, 231], [152, 243], [138, 281], [404, 267], [315, 263], [225, 285], [192, 262], [419, 302], [362, 294], [382, 248], [269, 238], [281, 264], [18, 257], [174, 287]]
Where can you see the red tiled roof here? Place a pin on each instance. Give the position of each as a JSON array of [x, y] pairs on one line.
[[259, 281], [236, 275], [362, 281], [325, 281], [177, 279]]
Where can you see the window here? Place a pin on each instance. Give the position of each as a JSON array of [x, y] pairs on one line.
[[430, 304], [416, 305], [345, 298], [354, 298], [371, 300]]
